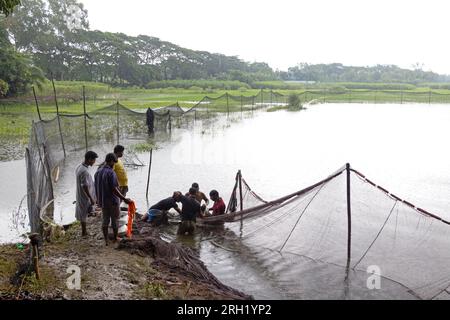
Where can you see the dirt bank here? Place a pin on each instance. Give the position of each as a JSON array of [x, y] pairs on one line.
[[144, 267]]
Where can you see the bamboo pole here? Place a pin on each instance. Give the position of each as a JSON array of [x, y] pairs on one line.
[[35, 254], [117, 124], [149, 170], [349, 218], [37, 104], [57, 115], [85, 119], [241, 104], [240, 190], [228, 105]]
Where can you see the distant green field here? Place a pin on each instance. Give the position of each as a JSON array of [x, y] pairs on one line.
[[16, 114]]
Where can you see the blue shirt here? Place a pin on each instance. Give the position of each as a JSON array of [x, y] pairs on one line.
[[105, 182]]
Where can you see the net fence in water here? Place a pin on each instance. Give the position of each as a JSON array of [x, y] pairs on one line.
[[368, 228], [51, 141]]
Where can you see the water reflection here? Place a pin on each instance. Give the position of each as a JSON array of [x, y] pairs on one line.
[[398, 146]]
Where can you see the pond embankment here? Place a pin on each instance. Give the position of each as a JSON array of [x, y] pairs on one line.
[[143, 267]]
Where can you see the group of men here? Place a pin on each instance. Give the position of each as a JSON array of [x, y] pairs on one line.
[[109, 188], [192, 208]]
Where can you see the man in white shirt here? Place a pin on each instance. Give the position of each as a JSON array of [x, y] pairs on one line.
[[85, 193]]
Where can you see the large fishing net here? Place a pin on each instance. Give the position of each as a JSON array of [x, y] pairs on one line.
[[51, 141], [347, 235]]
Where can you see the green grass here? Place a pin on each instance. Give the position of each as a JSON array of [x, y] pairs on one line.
[[16, 114]]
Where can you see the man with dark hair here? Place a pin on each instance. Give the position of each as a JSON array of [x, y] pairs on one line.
[[159, 211], [85, 190], [109, 196], [189, 212], [119, 169], [219, 205], [200, 196]]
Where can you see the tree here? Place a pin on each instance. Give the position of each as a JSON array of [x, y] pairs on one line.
[[17, 70], [55, 33], [7, 6]]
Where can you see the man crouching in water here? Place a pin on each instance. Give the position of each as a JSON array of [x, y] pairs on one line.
[[159, 210], [109, 196], [189, 212]]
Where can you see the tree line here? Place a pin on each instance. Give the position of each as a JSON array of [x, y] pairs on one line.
[[336, 72], [43, 39]]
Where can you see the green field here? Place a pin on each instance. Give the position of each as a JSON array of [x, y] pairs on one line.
[[17, 113]]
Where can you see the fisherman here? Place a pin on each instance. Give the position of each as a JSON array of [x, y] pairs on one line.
[[85, 190], [150, 120], [189, 212], [199, 196], [158, 211], [109, 196], [219, 205], [119, 169]]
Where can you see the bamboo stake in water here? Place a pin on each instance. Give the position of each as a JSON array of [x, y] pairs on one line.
[[149, 170]]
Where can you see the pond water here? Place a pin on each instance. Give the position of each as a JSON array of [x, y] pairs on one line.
[[401, 147]]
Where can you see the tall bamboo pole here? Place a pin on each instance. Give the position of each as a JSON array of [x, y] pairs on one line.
[[349, 218], [37, 104], [149, 170], [57, 116], [85, 119]]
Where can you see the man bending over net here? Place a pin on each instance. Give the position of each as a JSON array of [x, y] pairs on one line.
[[158, 212]]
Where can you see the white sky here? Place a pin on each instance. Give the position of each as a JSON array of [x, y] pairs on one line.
[[284, 33]]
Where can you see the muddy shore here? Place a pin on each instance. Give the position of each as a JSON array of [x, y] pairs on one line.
[[143, 267]]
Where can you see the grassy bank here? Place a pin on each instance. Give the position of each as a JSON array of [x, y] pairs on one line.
[[144, 268], [16, 114]]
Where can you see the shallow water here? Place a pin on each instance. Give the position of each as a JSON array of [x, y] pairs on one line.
[[401, 147]]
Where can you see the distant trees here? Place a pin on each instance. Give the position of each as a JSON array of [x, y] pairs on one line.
[[7, 6], [56, 33], [337, 72], [17, 70], [54, 36]]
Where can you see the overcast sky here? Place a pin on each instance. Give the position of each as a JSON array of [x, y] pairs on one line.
[[284, 33]]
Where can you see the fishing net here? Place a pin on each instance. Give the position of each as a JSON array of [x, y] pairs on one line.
[[51, 141], [407, 245]]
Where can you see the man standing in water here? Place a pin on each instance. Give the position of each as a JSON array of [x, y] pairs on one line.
[[109, 196], [199, 196], [119, 169], [189, 211], [85, 193]]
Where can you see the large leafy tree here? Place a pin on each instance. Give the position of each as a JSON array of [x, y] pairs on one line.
[[48, 29], [17, 70], [56, 34], [7, 6]]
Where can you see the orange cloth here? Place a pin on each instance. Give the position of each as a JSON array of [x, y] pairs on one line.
[[131, 213]]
